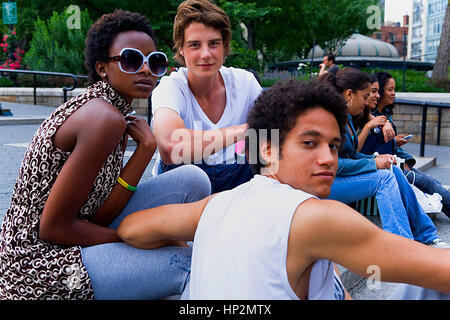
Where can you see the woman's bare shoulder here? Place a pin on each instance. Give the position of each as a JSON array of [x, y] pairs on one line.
[[98, 115]]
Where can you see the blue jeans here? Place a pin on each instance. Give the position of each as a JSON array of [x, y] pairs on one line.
[[411, 292], [430, 185], [399, 210], [120, 271], [222, 176]]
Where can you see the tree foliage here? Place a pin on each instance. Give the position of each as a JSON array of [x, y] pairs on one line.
[[55, 47], [273, 29], [300, 23]]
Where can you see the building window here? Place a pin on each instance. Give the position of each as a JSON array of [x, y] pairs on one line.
[[391, 38], [416, 51], [435, 45], [434, 27], [417, 11], [432, 46], [437, 6], [417, 32]]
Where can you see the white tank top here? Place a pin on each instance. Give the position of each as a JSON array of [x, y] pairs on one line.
[[240, 245]]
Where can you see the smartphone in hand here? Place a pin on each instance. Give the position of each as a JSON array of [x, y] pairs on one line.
[[408, 137]]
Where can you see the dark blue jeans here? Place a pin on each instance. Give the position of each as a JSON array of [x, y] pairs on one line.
[[222, 176]]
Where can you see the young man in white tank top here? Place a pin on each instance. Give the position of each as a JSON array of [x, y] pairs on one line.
[[272, 237]]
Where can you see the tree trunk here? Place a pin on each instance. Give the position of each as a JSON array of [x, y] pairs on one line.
[[440, 70], [251, 35]]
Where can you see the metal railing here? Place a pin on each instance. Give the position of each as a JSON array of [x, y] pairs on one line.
[[425, 105], [46, 73]]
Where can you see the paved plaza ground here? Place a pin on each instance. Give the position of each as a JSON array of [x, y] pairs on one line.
[[16, 132]]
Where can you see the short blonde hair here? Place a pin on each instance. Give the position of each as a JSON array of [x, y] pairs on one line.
[[203, 11]]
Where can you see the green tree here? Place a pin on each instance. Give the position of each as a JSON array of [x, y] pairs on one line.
[[283, 30], [244, 15], [55, 47], [293, 30], [275, 29]]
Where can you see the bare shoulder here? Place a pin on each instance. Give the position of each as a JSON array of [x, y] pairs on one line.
[[99, 110], [322, 210], [95, 121], [320, 221], [99, 117]]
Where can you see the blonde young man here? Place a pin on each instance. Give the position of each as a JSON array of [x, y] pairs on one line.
[[199, 111]]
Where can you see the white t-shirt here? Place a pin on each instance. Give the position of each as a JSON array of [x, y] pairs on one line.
[[241, 88], [240, 245]]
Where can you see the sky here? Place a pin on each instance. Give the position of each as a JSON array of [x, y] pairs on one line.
[[396, 9]]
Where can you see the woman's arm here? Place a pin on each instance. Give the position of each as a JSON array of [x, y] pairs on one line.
[[91, 140], [140, 132], [372, 123], [176, 144], [388, 131]]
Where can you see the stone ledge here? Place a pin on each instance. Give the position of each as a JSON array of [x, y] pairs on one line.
[[437, 97], [53, 97]]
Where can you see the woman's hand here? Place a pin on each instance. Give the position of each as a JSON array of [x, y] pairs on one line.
[[400, 141], [388, 132], [139, 130], [379, 121], [384, 161]]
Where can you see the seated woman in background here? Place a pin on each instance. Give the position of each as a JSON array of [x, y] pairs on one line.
[[366, 123], [58, 238], [361, 176], [377, 143]]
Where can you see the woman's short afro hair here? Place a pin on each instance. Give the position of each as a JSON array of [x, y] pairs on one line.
[[279, 107], [102, 33]]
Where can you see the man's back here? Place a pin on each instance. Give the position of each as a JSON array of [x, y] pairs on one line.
[[240, 245]]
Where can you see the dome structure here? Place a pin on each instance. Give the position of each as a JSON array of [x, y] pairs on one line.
[[358, 51], [360, 46]]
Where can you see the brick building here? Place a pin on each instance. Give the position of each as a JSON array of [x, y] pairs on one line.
[[395, 34]]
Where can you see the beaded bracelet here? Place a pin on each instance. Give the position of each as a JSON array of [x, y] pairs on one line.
[[125, 185]]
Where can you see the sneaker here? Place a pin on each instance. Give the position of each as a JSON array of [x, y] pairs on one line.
[[438, 243]]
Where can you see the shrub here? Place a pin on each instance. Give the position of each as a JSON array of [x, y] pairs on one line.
[[8, 59], [242, 57], [5, 82], [415, 81], [55, 47]]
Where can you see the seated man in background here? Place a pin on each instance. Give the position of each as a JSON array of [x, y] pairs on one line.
[[328, 62], [273, 237]]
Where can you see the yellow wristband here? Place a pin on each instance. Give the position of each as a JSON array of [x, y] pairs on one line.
[[125, 185]]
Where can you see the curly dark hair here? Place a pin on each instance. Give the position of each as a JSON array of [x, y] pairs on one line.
[[281, 105], [102, 33]]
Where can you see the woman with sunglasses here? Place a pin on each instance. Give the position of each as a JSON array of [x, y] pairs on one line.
[[58, 239], [199, 111]]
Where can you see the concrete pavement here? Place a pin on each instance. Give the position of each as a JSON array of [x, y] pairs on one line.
[[17, 131]]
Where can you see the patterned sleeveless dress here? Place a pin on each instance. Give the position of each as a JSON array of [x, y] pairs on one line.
[[31, 268]]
